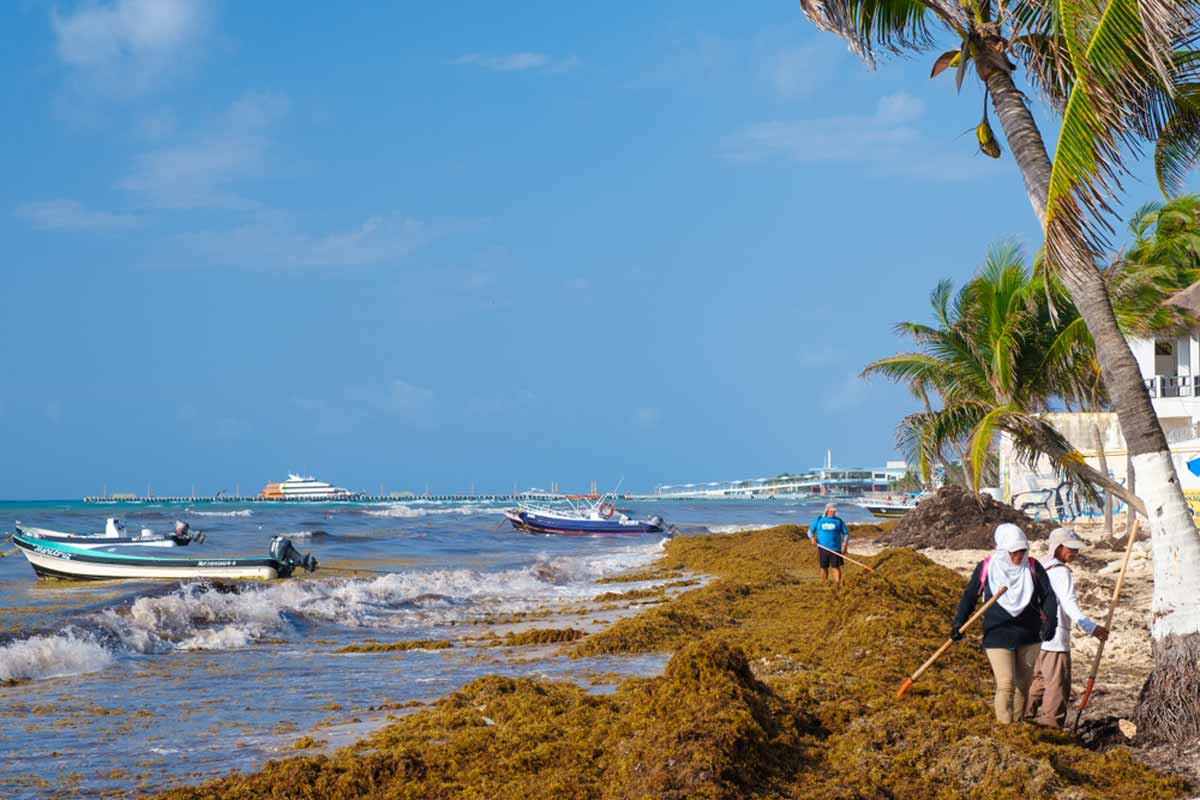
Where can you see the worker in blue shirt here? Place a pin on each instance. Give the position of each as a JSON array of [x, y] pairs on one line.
[[831, 533]]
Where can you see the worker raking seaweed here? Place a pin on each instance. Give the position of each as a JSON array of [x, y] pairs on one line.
[[832, 536], [1016, 625], [1051, 687]]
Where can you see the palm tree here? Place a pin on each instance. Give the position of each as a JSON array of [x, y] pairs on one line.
[[996, 357], [1120, 72]]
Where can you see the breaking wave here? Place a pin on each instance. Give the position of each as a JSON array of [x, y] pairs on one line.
[[402, 511], [245, 512], [54, 656], [223, 616], [753, 526]]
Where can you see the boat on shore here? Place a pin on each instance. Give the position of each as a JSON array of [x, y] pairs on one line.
[[598, 517], [889, 507], [115, 535], [51, 559]]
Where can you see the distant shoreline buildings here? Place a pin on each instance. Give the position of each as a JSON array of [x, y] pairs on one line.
[[825, 481]]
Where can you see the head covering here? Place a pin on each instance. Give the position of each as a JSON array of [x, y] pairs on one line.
[[1002, 572], [1064, 537], [830, 508]]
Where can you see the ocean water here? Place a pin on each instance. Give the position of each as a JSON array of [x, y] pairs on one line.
[[129, 687]]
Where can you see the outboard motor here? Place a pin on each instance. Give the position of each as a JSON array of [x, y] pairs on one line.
[[288, 557], [656, 521], [184, 534], [114, 528]]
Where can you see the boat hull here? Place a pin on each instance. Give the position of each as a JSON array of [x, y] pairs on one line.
[[541, 523], [67, 562]]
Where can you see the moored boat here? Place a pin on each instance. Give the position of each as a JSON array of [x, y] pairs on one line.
[[115, 535], [599, 517], [889, 507], [70, 562]]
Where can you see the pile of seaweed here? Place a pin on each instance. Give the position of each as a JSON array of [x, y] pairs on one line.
[[957, 519], [780, 686]]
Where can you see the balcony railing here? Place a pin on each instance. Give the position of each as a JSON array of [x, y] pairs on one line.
[[1173, 386]]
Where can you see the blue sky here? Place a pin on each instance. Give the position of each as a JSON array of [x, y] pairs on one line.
[[466, 243]]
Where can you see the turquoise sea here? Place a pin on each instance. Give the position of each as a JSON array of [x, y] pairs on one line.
[[127, 687]]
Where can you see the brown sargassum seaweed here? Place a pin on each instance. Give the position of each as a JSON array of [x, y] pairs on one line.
[[779, 687]]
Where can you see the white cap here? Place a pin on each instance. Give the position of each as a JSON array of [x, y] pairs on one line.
[[1066, 537], [1010, 538]]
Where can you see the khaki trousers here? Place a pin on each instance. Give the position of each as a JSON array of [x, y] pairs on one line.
[[1013, 670], [1051, 689]]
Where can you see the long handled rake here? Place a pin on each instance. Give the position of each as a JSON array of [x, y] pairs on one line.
[[1112, 607], [908, 682]]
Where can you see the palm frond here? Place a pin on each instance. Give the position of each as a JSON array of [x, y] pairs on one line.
[[1177, 150], [891, 25]]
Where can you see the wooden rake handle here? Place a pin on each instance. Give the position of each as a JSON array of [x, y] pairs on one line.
[[1112, 607], [908, 682], [867, 567]]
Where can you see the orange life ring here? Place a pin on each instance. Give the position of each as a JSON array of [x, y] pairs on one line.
[[606, 510]]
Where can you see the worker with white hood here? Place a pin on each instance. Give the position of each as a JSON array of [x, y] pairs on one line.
[[1017, 623]]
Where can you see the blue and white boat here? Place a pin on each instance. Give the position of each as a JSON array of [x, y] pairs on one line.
[[600, 516], [69, 562], [115, 535]]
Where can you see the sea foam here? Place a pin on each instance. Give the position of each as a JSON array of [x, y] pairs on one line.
[[40, 657], [205, 616]]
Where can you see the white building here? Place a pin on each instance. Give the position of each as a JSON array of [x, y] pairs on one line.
[[1170, 368]]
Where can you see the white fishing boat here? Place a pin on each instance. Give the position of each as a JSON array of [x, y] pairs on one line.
[[580, 516], [69, 562], [116, 535], [890, 506]]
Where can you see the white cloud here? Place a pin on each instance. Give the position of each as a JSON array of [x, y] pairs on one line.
[[272, 240], [793, 70], [200, 174], [399, 399], [889, 141], [517, 62], [127, 47], [646, 417], [157, 125], [850, 392], [812, 357], [500, 402], [407, 400], [68, 215]]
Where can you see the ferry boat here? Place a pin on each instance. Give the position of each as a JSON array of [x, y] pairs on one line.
[[299, 487]]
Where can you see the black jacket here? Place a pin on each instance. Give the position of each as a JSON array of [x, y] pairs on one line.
[[1036, 623]]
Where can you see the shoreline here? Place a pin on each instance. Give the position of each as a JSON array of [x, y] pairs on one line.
[[776, 684]]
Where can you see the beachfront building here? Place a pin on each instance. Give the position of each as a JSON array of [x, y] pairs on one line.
[[1170, 367], [824, 481]]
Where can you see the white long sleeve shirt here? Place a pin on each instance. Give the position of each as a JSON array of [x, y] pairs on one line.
[[1068, 607]]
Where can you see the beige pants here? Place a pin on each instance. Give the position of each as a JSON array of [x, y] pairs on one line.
[[1051, 689], [1013, 670]]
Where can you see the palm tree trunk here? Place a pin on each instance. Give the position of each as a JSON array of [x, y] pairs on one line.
[[1169, 706]]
